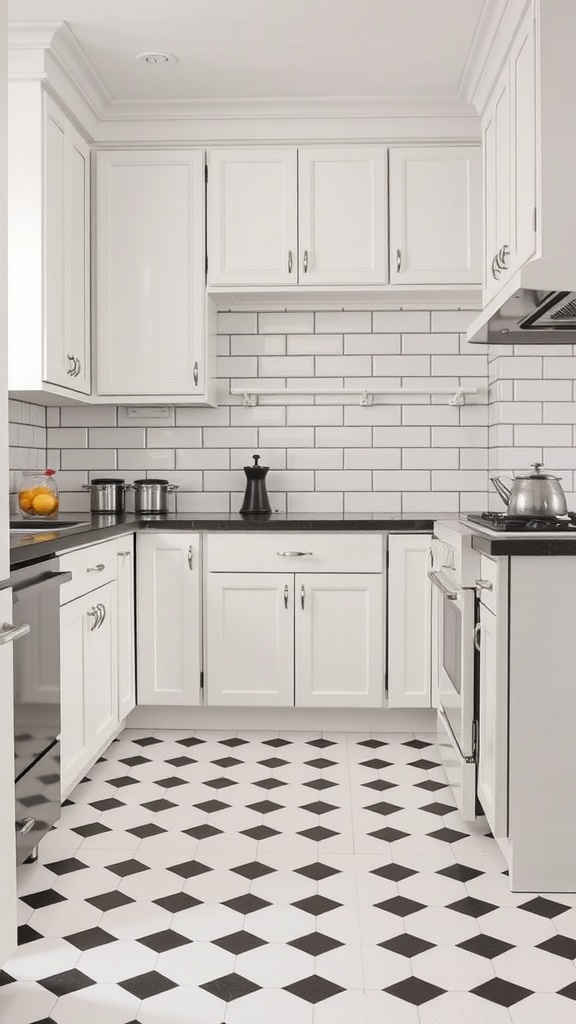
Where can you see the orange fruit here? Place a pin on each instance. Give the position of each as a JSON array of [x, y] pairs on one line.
[[44, 503]]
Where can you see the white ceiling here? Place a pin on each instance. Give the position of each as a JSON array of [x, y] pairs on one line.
[[239, 49]]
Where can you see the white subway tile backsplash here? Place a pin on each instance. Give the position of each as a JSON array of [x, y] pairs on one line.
[[375, 501], [343, 437], [208, 501], [237, 323], [443, 365], [237, 366], [98, 458], [343, 366], [189, 417], [344, 480], [430, 458], [402, 321], [286, 437], [468, 437], [402, 366], [174, 437], [458, 480], [290, 480], [116, 437], [431, 504], [285, 366], [344, 322], [427, 344], [88, 416], [288, 322], [257, 345], [258, 416], [401, 480], [543, 390], [229, 437], [202, 458], [314, 415], [371, 344], [558, 366], [543, 434], [314, 344], [376, 415], [315, 458], [558, 412], [314, 503], [153, 459], [520, 367], [402, 437], [440, 415], [372, 458], [275, 458], [224, 480], [452, 319]]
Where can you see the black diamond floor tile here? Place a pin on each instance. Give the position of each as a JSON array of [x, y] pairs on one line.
[[246, 904], [110, 900], [202, 831], [260, 832], [234, 741], [147, 741], [424, 764], [321, 743], [417, 744], [226, 762], [318, 833], [180, 762], [90, 938], [253, 870], [94, 829], [107, 805], [376, 763], [316, 943], [438, 808], [319, 807], [127, 867], [407, 945], [431, 785], [401, 906], [65, 982], [460, 872], [6, 979], [277, 742], [415, 991], [544, 907], [569, 991], [239, 942], [161, 942], [133, 761], [222, 783], [190, 741], [170, 782], [380, 785], [472, 907], [211, 806], [373, 744], [486, 946], [145, 831], [388, 835], [45, 898], [143, 986], [560, 945], [273, 762], [189, 868], [320, 784], [316, 905], [447, 835], [177, 901], [231, 986], [393, 872], [65, 867], [317, 871], [502, 992], [270, 783], [27, 934], [382, 807], [265, 807], [320, 762], [159, 805], [122, 781], [314, 989]]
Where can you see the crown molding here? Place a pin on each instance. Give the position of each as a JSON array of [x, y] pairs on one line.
[[496, 27], [80, 70]]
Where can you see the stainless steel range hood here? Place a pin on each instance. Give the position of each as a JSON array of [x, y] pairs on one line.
[[530, 317]]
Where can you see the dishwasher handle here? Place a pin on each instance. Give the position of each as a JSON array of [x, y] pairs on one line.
[[51, 579], [8, 632]]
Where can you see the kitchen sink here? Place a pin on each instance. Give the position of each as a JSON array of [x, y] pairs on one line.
[[44, 525]]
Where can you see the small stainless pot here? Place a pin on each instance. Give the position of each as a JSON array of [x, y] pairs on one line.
[[534, 494], [106, 495], [151, 496]]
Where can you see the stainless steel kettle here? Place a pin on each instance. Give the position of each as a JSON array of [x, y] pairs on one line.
[[534, 494]]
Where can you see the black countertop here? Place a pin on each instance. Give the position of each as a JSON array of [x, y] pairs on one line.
[[28, 547], [529, 544]]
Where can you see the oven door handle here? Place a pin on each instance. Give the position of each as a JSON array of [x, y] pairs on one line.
[[450, 595], [53, 579], [8, 632]]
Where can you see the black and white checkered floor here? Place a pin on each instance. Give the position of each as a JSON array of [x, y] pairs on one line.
[[208, 878]]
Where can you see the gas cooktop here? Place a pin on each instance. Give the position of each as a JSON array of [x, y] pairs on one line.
[[501, 522]]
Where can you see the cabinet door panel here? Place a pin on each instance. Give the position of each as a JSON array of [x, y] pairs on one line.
[[252, 218], [74, 660], [435, 215], [342, 215], [339, 640], [78, 234], [126, 627], [103, 669], [250, 639], [523, 90], [409, 622], [497, 206], [56, 345], [7, 809], [169, 619], [150, 272]]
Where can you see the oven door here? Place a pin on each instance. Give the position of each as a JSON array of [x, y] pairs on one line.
[[455, 645]]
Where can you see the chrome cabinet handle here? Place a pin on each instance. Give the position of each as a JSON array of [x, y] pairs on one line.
[[286, 596], [293, 554], [477, 629], [302, 596], [305, 261], [96, 614], [72, 367], [502, 256], [450, 595], [78, 367], [190, 558], [8, 632], [495, 272], [97, 568], [290, 261], [103, 614], [398, 260], [123, 554], [195, 374], [25, 825], [484, 585]]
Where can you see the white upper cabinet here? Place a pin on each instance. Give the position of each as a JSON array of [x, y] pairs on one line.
[[524, 135], [48, 244], [497, 185], [149, 316], [252, 216], [435, 215], [342, 215], [312, 216]]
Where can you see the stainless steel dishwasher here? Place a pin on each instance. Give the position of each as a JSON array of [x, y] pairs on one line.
[[36, 701]]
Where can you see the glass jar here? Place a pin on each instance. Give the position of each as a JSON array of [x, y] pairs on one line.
[[38, 493]]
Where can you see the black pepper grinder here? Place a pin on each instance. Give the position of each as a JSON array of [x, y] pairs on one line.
[[255, 498]]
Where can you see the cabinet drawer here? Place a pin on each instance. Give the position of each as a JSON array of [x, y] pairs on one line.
[[295, 552], [489, 572], [91, 567]]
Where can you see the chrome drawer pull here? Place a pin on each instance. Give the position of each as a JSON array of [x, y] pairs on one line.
[[96, 614], [302, 596], [477, 629], [25, 825], [97, 568], [286, 594], [294, 554], [191, 558], [450, 595], [9, 632], [484, 585]]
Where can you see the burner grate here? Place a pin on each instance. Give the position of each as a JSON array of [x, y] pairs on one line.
[[502, 521]]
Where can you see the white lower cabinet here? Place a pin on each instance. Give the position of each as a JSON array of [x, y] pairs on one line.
[[250, 638], [89, 679], [493, 722], [169, 602], [409, 621], [7, 809], [126, 627], [339, 640]]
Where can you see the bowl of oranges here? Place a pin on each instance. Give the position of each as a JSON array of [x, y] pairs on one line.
[[38, 494]]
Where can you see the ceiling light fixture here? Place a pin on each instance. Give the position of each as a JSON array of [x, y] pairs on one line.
[[157, 59]]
